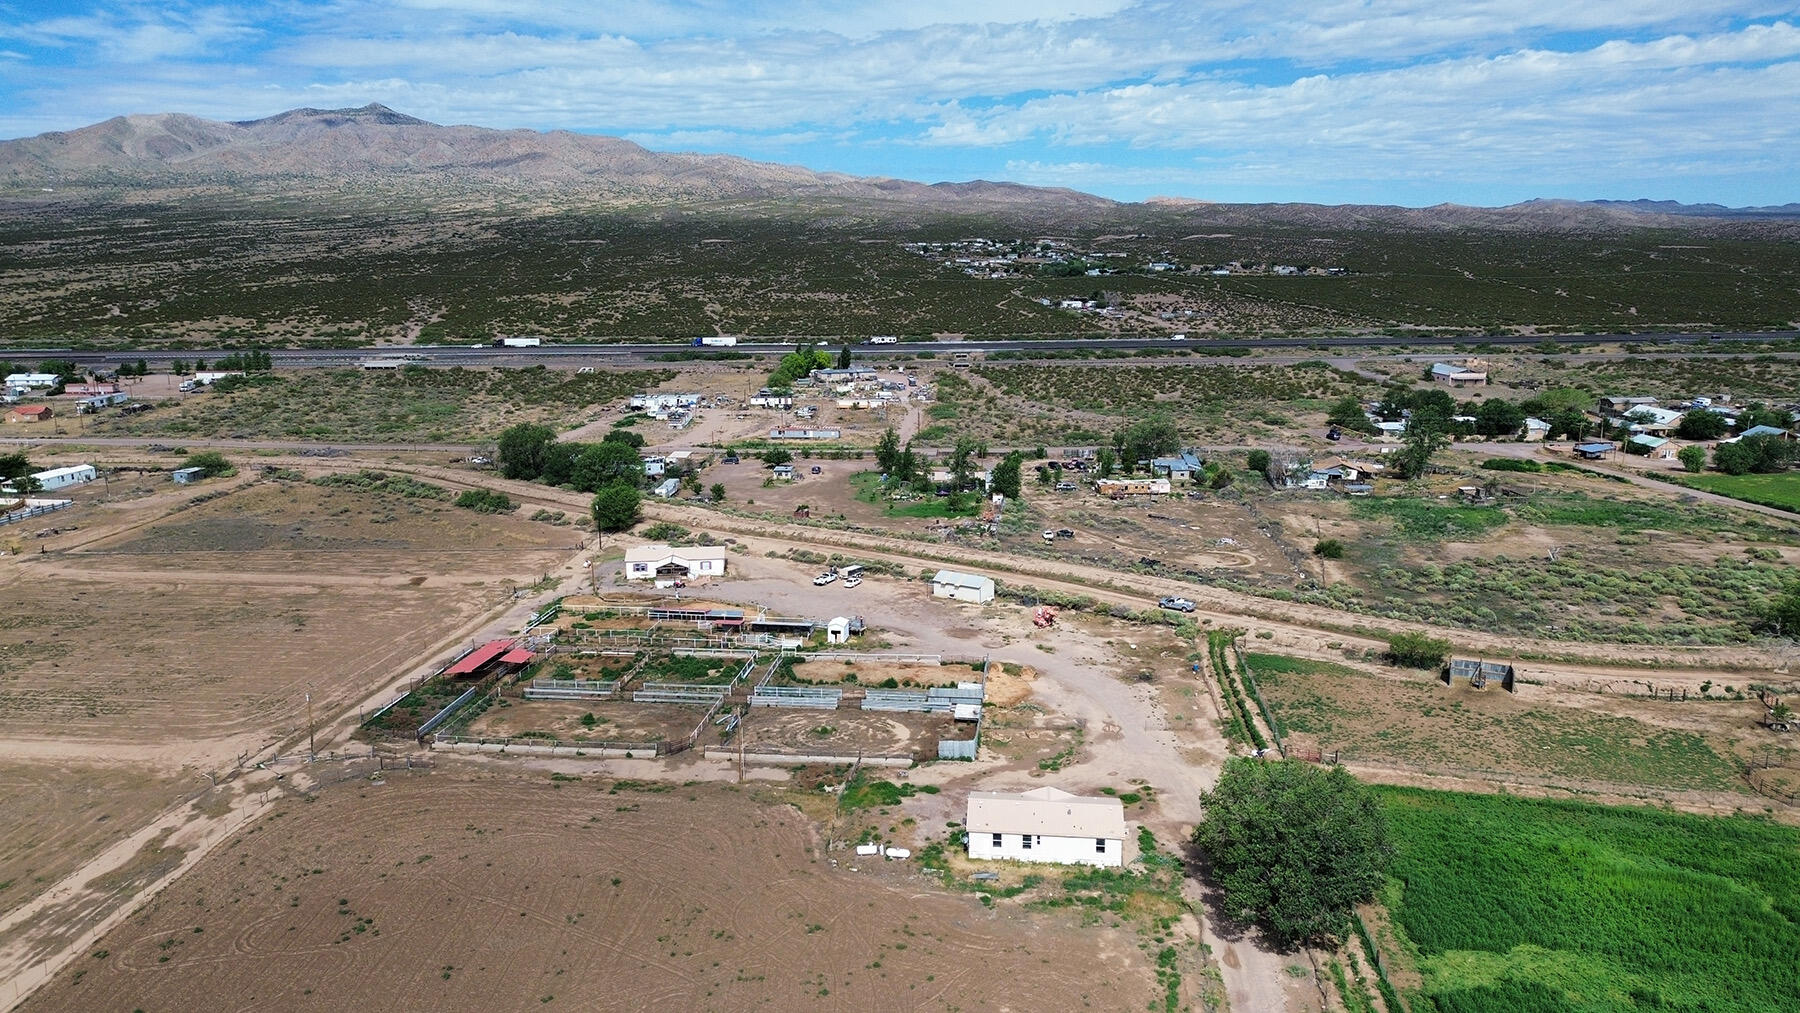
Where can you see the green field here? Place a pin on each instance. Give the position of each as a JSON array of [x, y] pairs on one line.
[[1781, 491], [1425, 725], [1513, 905]]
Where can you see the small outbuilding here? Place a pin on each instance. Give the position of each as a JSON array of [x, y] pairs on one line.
[[1596, 450], [187, 476], [29, 413], [962, 586], [1046, 825], [837, 631]]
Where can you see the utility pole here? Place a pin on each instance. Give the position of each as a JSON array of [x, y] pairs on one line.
[[312, 749]]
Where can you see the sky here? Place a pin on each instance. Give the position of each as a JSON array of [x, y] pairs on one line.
[[1412, 102]]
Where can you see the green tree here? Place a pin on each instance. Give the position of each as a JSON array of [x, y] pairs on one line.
[[1567, 422], [1782, 617], [604, 464], [1561, 399], [1417, 650], [1104, 461], [775, 456], [1701, 424], [521, 450], [1755, 414], [559, 463], [178, 367], [718, 492], [962, 462], [212, 464], [1498, 417], [887, 454], [15, 468], [1763, 455], [485, 501], [1693, 459], [906, 467], [616, 507], [633, 440], [1006, 474], [1147, 439], [843, 359], [1426, 434], [1293, 847], [1258, 461], [1347, 413]]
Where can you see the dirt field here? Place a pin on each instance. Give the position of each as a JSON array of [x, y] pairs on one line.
[[497, 892], [874, 673], [847, 731], [614, 720], [211, 625], [57, 814]]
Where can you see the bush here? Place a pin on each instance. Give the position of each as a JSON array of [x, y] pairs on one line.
[[212, 464], [1693, 459], [485, 501], [1417, 650], [1328, 548], [616, 507], [1511, 464], [1258, 461]]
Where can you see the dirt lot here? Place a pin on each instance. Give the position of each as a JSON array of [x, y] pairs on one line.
[[614, 720], [57, 814], [874, 673], [494, 892], [847, 731]]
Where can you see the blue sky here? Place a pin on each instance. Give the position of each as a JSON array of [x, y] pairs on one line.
[[1410, 102]]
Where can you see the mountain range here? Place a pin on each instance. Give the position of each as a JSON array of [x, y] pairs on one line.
[[310, 148]]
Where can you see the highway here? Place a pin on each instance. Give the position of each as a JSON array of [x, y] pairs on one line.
[[600, 353]]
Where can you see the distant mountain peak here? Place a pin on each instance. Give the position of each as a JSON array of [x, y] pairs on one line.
[[374, 112]]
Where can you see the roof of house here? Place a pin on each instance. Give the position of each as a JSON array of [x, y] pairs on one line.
[[1594, 448], [32, 409], [1446, 369], [1532, 422], [517, 656], [1049, 811], [73, 469], [1658, 416], [473, 661], [961, 579], [1762, 431], [656, 552], [1649, 441]]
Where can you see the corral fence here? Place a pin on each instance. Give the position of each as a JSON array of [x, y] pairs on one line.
[[556, 747], [917, 659], [1758, 777], [766, 756], [804, 697], [680, 693], [444, 715], [572, 689], [964, 693]]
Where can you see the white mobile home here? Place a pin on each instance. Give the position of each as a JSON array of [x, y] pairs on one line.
[[62, 478], [962, 586], [1046, 825]]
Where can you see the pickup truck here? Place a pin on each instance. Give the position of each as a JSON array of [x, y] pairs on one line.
[[1175, 604], [825, 578]]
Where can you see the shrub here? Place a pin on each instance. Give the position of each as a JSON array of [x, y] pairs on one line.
[[485, 501], [212, 464], [1417, 650], [1511, 464], [1328, 548]]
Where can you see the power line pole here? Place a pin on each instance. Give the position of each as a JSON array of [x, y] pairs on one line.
[[312, 749]]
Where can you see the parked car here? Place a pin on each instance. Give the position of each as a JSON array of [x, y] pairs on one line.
[[825, 578], [731, 459], [1049, 535], [1175, 604], [1065, 487], [816, 470], [1334, 434], [850, 582]]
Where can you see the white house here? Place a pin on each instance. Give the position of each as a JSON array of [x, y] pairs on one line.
[[1046, 825], [212, 376], [665, 565], [62, 478], [1535, 430], [30, 381], [654, 467], [667, 487], [962, 586]]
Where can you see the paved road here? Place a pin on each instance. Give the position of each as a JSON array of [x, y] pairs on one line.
[[598, 352]]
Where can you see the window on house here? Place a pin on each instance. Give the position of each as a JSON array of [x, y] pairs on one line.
[[1025, 841], [997, 840], [1099, 845]]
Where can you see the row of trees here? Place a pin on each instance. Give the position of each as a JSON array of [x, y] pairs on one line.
[[610, 469]]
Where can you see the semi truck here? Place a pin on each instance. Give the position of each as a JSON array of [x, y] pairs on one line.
[[884, 339], [518, 342], [716, 341]]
